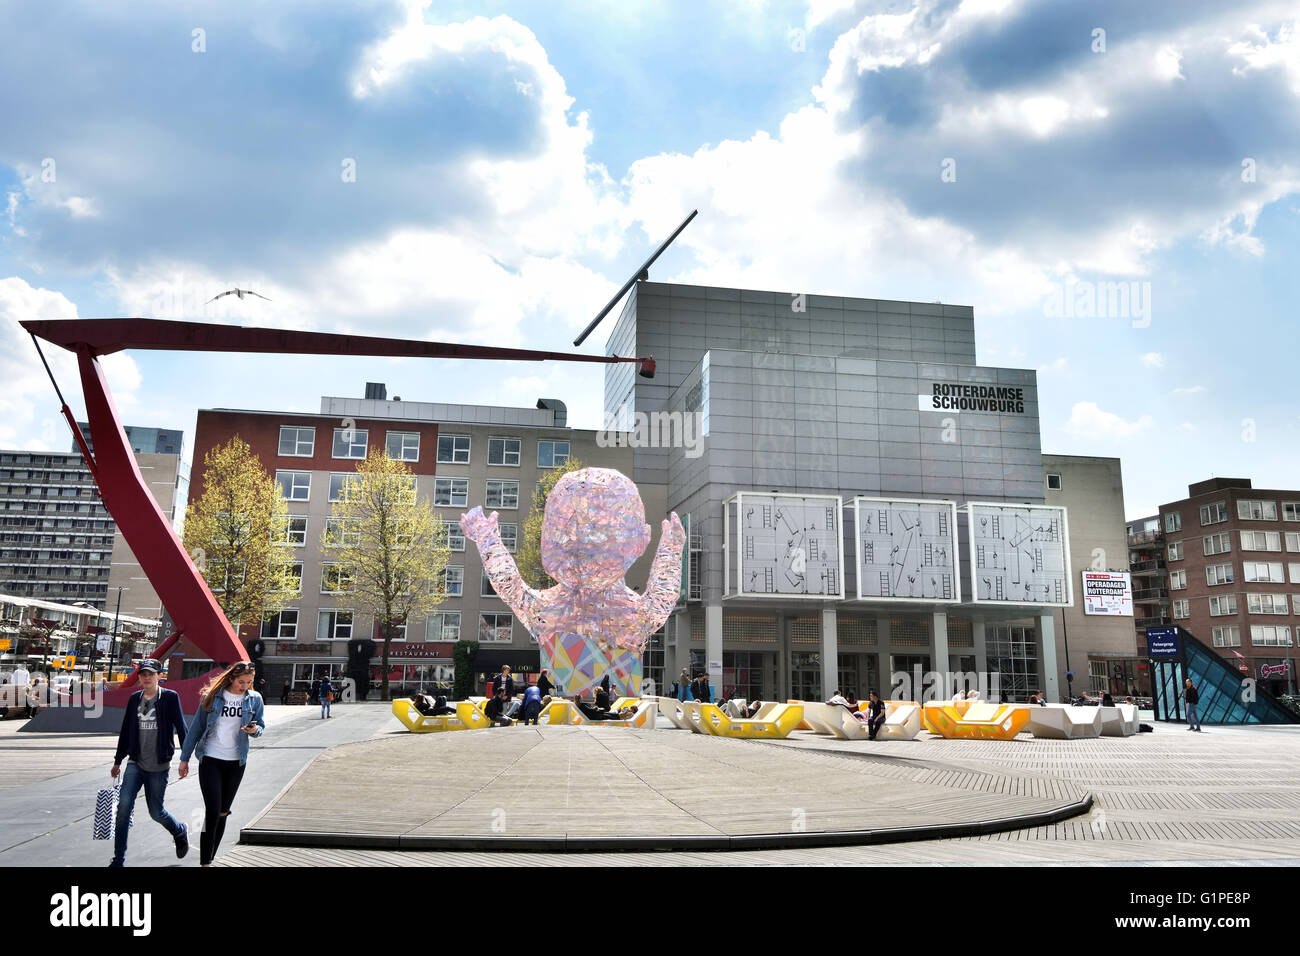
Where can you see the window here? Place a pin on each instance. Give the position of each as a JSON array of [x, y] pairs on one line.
[[1182, 609], [1178, 580], [342, 532], [1217, 543], [552, 454], [1218, 574], [502, 494], [1173, 521], [292, 578], [297, 442], [294, 485], [504, 451], [1176, 551], [1270, 571], [340, 483], [1221, 606], [1261, 541], [1291, 511], [334, 625], [351, 442], [1294, 569], [1053, 482], [509, 535], [1267, 604], [455, 537], [282, 626], [336, 579], [485, 588], [403, 533], [453, 449], [1270, 635], [442, 626], [399, 630], [453, 492], [295, 532], [1213, 514], [1257, 510], [404, 446], [495, 628], [1228, 636], [1292, 540], [451, 581]]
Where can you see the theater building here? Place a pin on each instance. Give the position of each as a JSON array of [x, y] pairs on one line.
[[864, 499]]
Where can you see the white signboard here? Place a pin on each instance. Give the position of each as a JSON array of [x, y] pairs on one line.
[[1019, 554], [1107, 592], [784, 545], [906, 550]]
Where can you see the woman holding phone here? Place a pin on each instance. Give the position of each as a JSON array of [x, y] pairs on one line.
[[230, 713]]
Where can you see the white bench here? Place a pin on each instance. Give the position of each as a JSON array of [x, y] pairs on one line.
[[1063, 722], [1119, 721], [902, 721]]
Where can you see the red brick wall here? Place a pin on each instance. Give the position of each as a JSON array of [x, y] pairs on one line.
[[262, 432]]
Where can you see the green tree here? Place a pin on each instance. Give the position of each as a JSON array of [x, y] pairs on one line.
[[529, 553], [237, 534], [385, 547]]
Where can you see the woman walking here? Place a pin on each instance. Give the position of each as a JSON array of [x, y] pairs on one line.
[[230, 712]]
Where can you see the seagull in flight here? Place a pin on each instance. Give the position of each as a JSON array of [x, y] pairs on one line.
[[239, 292]]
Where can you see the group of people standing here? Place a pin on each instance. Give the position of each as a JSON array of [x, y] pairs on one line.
[[688, 688], [230, 714]]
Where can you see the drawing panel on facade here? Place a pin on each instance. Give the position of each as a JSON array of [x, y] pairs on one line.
[[906, 550], [789, 545], [1019, 554]]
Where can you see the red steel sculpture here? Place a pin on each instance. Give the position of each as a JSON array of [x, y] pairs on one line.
[[180, 586]]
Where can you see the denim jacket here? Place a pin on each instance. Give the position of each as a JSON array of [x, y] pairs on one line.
[[202, 725]]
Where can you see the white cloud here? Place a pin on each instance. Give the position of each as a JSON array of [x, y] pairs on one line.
[[1055, 366], [1153, 360], [1168, 63], [1089, 421], [1187, 427], [1190, 390], [27, 390]]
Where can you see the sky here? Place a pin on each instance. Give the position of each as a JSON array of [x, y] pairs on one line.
[[1113, 187]]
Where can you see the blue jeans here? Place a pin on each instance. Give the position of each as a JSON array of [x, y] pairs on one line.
[[324, 706], [1193, 720], [155, 788]]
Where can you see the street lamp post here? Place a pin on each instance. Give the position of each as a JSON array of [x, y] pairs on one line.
[[112, 650]]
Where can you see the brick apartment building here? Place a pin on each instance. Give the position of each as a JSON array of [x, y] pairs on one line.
[[1232, 555]]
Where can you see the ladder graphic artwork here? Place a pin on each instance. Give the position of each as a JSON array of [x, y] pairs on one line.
[[884, 584]]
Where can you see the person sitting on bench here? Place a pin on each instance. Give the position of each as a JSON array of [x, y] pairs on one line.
[[754, 707], [495, 710]]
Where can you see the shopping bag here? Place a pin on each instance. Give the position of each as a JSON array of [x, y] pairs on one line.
[[106, 812]]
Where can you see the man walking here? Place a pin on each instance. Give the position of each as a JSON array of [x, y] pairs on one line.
[[1193, 698], [153, 718]]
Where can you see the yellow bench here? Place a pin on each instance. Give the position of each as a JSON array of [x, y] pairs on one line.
[[779, 721], [468, 716], [976, 721]]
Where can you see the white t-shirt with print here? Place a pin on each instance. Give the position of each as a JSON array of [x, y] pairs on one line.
[[226, 711]]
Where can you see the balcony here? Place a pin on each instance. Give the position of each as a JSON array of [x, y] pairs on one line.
[[1143, 537], [1150, 594], [1146, 567]]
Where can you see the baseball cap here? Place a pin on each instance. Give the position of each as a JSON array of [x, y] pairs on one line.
[[149, 664]]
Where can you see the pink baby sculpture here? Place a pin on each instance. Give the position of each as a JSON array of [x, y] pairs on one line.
[[591, 623]]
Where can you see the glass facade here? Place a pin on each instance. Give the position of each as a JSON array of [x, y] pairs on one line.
[[1226, 695]]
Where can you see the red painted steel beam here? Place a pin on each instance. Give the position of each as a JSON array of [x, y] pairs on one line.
[[163, 558], [104, 336]]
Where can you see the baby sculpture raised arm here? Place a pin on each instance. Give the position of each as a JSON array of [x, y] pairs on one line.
[[590, 623]]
